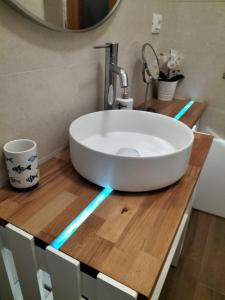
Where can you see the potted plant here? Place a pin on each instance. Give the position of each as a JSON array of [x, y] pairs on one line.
[[169, 64]]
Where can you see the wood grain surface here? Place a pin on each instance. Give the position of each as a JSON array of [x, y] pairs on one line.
[[129, 235], [171, 108]]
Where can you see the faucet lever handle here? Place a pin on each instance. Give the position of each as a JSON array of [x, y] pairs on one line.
[[107, 45]]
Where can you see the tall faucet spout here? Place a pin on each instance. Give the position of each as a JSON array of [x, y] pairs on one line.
[[122, 75], [112, 70]]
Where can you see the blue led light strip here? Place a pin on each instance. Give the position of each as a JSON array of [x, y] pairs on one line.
[[183, 110], [94, 204], [79, 220]]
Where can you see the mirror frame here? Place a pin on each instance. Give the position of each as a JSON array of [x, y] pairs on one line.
[[26, 13]]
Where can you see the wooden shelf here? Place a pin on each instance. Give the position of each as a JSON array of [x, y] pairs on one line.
[[171, 108]]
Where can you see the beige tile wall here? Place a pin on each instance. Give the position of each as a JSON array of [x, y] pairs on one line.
[[197, 28], [47, 78]]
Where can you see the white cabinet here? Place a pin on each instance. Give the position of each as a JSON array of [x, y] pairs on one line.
[[210, 192]]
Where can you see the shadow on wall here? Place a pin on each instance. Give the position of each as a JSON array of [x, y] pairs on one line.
[[3, 172], [37, 35]]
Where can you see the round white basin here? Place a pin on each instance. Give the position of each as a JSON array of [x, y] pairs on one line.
[[130, 150]]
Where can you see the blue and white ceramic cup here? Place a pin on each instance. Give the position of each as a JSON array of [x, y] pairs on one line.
[[22, 163]]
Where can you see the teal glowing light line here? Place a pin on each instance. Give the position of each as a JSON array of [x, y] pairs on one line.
[[94, 204], [79, 220], [183, 110]]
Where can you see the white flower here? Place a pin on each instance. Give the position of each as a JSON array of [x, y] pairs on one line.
[[175, 59]]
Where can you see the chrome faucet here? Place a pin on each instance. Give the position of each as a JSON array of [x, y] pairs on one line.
[[112, 70]]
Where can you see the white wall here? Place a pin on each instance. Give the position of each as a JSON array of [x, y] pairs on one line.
[[197, 27], [47, 78], [34, 6]]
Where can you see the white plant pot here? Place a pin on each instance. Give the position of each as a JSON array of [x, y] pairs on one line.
[[166, 90], [22, 163]]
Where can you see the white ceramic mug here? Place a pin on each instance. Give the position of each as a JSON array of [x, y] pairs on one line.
[[22, 163]]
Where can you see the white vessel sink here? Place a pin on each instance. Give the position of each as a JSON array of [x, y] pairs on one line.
[[130, 150]]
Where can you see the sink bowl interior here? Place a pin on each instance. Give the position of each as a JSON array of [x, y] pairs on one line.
[[136, 140], [147, 133], [122, 144]]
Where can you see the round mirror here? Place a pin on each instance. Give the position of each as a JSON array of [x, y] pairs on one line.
[[67, 15]]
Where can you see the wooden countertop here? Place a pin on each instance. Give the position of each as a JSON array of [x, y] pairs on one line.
[[171, 108], [127, 237]]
